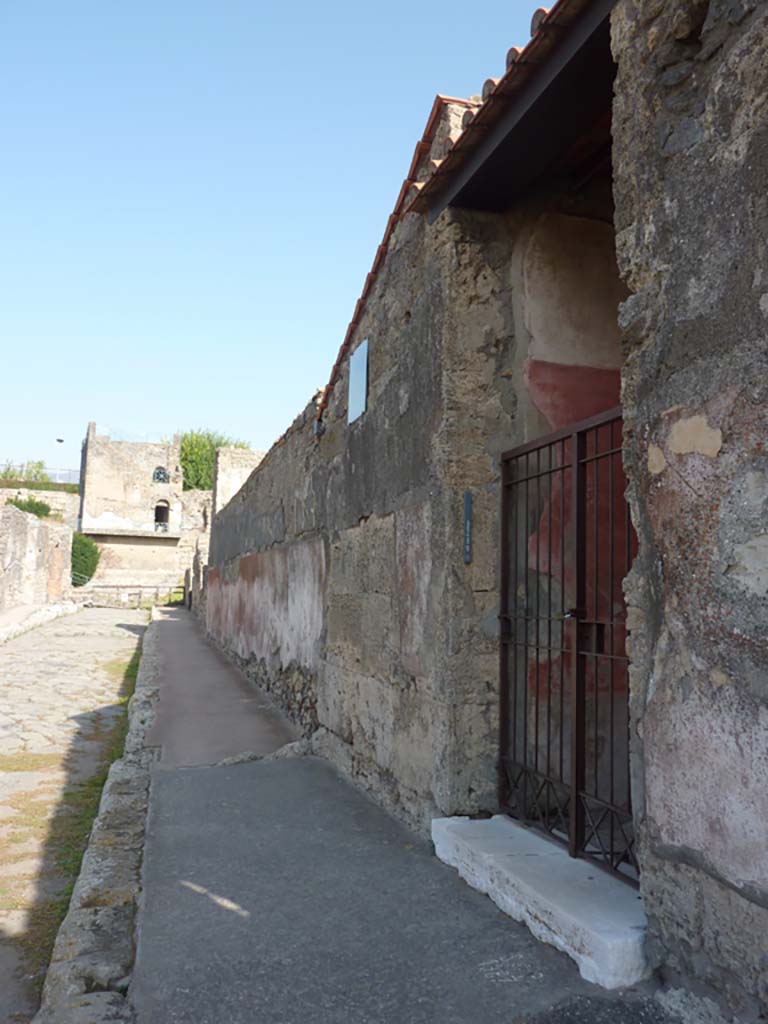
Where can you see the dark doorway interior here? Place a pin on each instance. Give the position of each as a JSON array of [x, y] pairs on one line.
[[162, 515]]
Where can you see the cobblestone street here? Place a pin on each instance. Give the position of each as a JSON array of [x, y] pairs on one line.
[[62, 690]]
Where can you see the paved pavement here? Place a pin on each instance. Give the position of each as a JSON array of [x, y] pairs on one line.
[[208, 711], [60, 690], [275, 892]]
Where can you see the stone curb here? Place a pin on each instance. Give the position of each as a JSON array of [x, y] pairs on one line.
[[93, 955], [39, 617]]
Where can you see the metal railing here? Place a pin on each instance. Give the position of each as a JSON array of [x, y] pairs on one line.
[[25, 471]]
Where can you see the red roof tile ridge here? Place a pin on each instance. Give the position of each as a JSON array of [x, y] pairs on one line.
[[519, 62]]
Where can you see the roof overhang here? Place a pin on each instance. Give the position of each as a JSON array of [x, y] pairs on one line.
[[551, 97]]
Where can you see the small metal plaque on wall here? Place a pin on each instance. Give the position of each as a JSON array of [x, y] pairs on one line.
[[358, 382], [467, 527]]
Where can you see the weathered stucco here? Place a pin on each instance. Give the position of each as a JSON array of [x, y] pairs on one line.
[[64, 505], [406, 680], [35, 559], [232, 468], [268, 609], [691, 151]]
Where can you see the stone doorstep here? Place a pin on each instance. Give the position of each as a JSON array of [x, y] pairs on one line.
[[595, 919]]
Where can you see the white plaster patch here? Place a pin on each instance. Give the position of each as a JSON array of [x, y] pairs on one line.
[[750, 567], [572, 292], [657, 462], [595, 919], [764, 304]]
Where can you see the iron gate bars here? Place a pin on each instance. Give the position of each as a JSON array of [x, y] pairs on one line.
[[567, 543]]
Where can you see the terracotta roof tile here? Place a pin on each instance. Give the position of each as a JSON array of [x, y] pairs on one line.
[[433, 159], [521, 63], [488, 86], [539, 16]]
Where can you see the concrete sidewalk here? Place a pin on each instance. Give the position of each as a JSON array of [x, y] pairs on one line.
[[275, 892]]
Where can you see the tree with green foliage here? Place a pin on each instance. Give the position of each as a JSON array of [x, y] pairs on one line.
[[198, 456], [32, 505], [26, 471], [85, 558]]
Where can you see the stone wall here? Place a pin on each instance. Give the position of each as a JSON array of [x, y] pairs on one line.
[[196, 514], [326, 570], [35, 559], [233, 467], [691, 151], [336, 574], [130, 561], [63, 504]]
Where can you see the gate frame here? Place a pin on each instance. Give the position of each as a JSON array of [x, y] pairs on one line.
[[577, 433]]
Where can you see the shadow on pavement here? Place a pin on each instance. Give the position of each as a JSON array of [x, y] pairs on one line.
[[53, 844]]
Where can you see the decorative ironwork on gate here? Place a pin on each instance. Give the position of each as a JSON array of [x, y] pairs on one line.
[[567, 544]]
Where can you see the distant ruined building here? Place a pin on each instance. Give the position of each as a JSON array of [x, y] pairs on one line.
[[149, 529]]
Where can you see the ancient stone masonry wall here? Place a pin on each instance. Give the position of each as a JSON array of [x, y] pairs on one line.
[[330, 568], [326, 569], [336, 572], [233, 467], [35, 559], [691, 167], [63, 504]]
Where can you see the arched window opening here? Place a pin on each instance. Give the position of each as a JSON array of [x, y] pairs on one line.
[[162, 515], [160, 475]]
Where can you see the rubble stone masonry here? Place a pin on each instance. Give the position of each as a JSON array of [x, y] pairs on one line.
[[35, 559], [691, 188]]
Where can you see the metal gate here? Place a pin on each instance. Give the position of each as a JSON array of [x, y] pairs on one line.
[[567, 544]]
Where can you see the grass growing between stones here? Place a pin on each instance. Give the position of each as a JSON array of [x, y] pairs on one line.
[[29, 762], [62, 834]]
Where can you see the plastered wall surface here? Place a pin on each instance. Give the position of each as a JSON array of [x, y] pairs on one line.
[[691, 151], [138, 561], [233, 467], [35, 559]]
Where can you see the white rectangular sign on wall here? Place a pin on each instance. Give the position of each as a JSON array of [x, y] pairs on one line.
[[358, 382]]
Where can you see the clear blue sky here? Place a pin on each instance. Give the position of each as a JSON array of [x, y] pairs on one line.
[[191, 195]]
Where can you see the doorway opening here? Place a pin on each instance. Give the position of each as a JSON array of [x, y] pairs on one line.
[[567, 544], [162, 516]]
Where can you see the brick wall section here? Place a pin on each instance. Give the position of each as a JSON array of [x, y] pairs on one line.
[[691, 151], [35, 559]]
